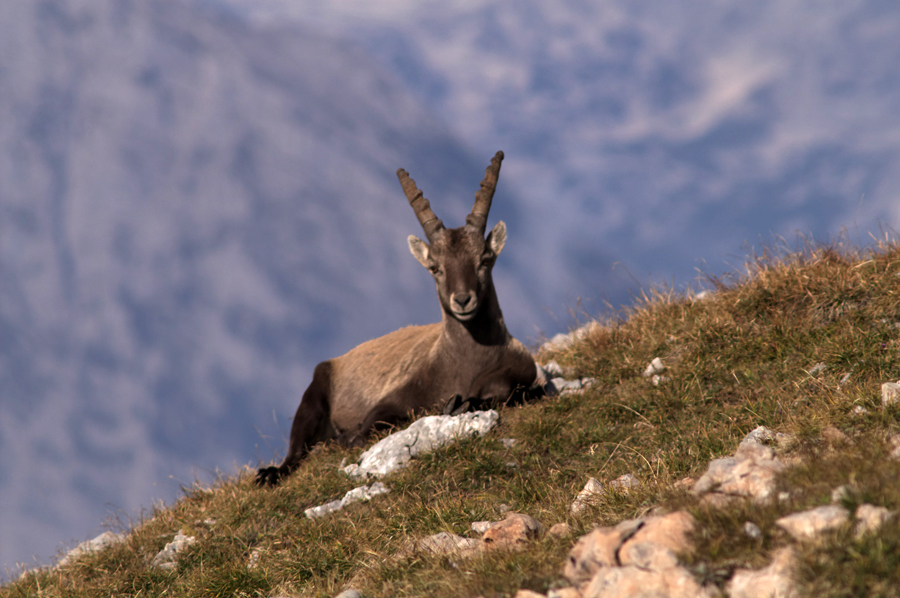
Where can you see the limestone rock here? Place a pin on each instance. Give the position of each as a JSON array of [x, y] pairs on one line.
[[564, 593], [479, 527], [750, 473], [597, 549], [528, 594], [634, 582], [100, 542], [870, 518], [752, 531], [773, 581], [625, 482], [592, 492], [560, 530], [671, 532], [809, 525], [513, 532], [445, 543], [167, 557], [894, 446], [424, 435], [655, 367], [890, 393], [360, 494], [350, 594]]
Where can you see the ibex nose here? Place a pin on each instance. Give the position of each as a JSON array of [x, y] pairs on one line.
[[463, 302]]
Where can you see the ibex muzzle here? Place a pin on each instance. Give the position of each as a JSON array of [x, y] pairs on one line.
[[469, 355]]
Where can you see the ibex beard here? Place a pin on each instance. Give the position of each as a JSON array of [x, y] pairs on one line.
[[468, 359]]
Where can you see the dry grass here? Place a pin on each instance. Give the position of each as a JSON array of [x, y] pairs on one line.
[[737, 359]]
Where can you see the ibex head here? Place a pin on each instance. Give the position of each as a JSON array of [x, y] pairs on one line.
[[460, 259]]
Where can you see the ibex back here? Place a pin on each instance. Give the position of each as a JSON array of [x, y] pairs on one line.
[[469, 357]]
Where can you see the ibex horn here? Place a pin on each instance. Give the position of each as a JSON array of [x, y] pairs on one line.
[[478, 218], [430, 223]]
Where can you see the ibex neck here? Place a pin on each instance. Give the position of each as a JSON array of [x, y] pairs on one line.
[[486, 328]]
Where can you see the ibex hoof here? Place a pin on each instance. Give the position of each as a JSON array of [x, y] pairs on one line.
[[268, 476], [457, 405]]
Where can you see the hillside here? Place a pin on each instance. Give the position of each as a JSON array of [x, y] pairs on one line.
[[801, 344]]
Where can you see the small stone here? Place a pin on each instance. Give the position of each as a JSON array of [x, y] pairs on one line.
[[253, 561], [859, 411], [528, 594], [818, 368], [445, 543], [508, 442], [513, 532], [657, 380], [503, 508], [773, 581], [752, 531], [870, 518], [560, 530], [655, 367], [685, 483], [890, 393], [759, 435], [99, 543], [840, 493], [784, 496], [625, 482], [834, 436], [554, 369], [350, 594], [589, 496], [809, 525], [894, 446], [479, 527], [750, 473], [166, 558], [845, 378]]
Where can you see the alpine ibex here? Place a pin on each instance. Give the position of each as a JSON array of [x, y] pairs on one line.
[[469, 357]]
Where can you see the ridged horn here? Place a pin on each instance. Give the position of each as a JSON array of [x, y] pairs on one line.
[[430, 223], [478, 218]]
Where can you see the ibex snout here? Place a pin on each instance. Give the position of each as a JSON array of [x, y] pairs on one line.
[[464, 305]]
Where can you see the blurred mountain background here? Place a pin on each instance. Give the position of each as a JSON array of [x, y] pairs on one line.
[[198, 200]]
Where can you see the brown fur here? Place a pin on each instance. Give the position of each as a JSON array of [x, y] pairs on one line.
[[469, 354]]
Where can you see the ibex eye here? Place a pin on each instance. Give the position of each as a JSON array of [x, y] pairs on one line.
[[434, 269]]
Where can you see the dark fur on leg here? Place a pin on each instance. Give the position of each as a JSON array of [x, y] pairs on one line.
[[311, 426]]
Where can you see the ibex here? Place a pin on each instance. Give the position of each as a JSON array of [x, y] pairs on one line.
[[468, 358]]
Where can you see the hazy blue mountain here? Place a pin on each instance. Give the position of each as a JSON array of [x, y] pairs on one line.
[[194, 211]]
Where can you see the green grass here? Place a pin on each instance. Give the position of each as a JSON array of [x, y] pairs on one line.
[[738, 359]]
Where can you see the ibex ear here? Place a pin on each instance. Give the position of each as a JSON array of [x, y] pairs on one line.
[[496, 239], [420, 250]]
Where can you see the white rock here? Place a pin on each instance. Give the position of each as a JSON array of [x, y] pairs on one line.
[[100, 542], [625, 482], [479, 527], [349, 594], [845, 378], [840, 493], [819, 367], [870, 518], [423, 436], [360, 494], [859, 411], [751, 530], [809, 525], [509, 442], [656, 367], [894, 446], [890, 393], [774, 581], [554, 369], [166, 558], [591, 493]]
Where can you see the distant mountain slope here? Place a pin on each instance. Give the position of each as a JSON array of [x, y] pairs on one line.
[[193, 212]]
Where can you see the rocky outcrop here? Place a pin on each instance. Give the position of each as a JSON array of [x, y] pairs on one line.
[[773, 581], [360, 494], [424, 435], [167, 557], [99, 543], [750, 473], [635, 558]]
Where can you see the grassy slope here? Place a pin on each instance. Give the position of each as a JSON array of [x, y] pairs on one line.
[[737, 360]]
